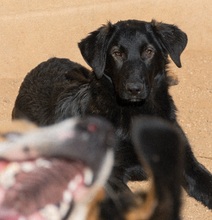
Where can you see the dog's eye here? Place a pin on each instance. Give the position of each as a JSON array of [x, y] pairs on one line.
[[148, 53], [118, 54]]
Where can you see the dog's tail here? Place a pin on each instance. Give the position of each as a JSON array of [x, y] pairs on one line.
[[158, 146]]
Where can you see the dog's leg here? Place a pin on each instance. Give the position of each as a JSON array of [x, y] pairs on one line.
[[159, 148], [197, 179], [116, 182], [127, 168]]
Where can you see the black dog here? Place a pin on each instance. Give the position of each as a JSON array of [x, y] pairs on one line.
[[32, 185], [130, 61]]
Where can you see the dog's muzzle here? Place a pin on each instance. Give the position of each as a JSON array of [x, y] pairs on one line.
[[134, 92]]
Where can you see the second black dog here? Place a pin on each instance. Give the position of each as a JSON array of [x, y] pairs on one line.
[[129, 60]]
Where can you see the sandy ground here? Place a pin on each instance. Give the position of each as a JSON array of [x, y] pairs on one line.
[[27, 39]]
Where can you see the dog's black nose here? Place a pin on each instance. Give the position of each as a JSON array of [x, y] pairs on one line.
[[134, 88]]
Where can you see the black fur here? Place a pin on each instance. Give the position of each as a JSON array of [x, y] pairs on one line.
[[130, 61], [158, 146]]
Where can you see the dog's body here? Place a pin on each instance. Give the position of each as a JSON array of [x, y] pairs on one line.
[[130, 61], [157, 144]]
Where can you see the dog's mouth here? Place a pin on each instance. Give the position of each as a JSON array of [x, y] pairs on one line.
[[136, 99], [42, 189], [47, 173], [133, 101], [127, 97]]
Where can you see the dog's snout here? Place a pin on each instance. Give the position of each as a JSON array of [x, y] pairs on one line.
[[134, 88]]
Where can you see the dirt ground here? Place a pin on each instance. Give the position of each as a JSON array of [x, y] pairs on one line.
[[193, 95]]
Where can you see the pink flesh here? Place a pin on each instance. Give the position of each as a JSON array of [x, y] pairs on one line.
[[34, 190]]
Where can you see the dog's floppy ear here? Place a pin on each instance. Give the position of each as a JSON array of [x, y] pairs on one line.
[[172, 39], [94, 48]]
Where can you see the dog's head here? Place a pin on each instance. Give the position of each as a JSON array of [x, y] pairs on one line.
[[47, 171], [133, 54]]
